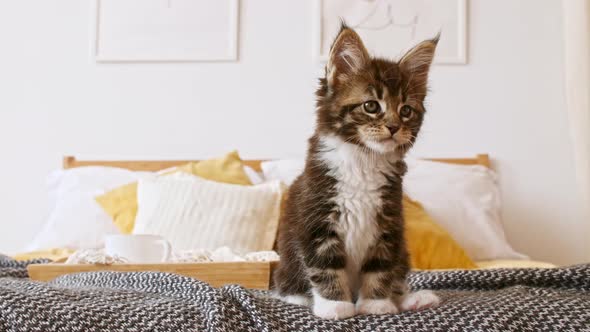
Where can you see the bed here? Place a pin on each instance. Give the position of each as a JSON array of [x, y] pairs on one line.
[[493, 299]]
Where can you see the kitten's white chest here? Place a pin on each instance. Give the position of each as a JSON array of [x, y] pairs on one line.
[[358, 197], [359, 201]]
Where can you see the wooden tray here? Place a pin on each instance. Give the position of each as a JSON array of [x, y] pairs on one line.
[[255, 275]]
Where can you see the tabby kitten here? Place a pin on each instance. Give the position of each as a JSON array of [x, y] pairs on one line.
[[342, 234]]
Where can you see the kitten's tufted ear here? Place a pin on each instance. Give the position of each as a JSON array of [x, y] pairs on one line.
[[348, 56], [416, 62]]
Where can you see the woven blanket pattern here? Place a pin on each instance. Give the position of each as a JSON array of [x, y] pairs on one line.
[[478, 300], [16, 269]]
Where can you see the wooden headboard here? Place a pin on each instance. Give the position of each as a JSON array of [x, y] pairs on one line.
[[157, 165]]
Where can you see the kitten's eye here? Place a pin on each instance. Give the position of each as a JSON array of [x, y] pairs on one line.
[[406, 111], [371, 107]]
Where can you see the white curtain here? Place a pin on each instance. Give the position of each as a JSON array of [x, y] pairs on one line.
[[576, 18]]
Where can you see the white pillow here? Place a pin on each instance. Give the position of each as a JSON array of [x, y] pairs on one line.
[[285, 170], [76, 221], [465, 200], [254, 176], [192, 212]]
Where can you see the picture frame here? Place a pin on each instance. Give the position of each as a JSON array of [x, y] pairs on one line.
[[452, 48], [164, 30]]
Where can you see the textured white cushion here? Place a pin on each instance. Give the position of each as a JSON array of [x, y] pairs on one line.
[[76, 221], [465, 200], [192, 212]]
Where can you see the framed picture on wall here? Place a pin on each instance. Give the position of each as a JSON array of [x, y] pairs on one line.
[[165, 30], [390, 27]]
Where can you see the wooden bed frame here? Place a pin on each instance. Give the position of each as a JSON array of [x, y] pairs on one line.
[[157, 165]]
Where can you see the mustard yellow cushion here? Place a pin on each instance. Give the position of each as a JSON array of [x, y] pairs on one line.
[[430, 246], [121, 203]]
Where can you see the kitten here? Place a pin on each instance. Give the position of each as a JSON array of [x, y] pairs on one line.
[[342, 234]]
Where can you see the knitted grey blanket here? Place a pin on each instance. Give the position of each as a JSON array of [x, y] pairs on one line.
[[483, 300]]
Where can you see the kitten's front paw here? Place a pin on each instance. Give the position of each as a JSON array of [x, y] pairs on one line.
[[375, 307], [329, 309], [420, 300]]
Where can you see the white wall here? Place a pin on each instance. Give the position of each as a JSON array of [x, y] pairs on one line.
[[509, 102]]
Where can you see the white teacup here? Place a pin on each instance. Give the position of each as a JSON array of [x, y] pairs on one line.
[[138, 248]]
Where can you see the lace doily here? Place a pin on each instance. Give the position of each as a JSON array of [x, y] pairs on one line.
[[94, 256], [223, 254]]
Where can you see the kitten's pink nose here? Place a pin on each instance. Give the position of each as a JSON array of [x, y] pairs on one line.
[[393, 129]]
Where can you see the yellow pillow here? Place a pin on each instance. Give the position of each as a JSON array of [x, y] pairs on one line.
[[430, 246], [121, 203]]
